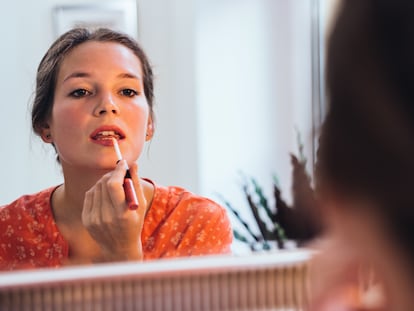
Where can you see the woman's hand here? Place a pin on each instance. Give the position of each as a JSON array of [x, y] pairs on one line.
[[109, 221]]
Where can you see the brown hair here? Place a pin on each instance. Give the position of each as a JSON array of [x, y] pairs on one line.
[[366, 146], [49, 67]]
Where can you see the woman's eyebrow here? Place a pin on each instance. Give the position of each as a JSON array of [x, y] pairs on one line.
[[127, 75], [77, 74], [124, 75]]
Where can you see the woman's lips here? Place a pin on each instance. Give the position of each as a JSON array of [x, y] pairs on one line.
[[103, 135], [107, 135]]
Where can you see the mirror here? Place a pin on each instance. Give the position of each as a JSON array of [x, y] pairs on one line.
[[235, 82]]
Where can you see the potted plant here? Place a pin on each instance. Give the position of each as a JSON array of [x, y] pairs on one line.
[[277, 224]]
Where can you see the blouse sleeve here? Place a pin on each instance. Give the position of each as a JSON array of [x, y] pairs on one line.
[[208, 229], [188, 226]]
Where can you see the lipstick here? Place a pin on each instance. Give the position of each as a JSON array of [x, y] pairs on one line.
[[130, 194]]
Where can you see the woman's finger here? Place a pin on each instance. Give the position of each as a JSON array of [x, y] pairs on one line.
[[108, 207], [87, 207], [115, 187], [95, 211], [142, 201]]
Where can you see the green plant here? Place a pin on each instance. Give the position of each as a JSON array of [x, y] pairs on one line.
[[280, 222]]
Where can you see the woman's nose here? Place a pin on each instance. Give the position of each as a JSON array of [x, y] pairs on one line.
[[106, 105]]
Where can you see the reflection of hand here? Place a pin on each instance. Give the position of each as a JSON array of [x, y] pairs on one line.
[[108, 220]]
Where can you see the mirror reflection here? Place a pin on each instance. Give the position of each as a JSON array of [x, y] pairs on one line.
[[232, 85]]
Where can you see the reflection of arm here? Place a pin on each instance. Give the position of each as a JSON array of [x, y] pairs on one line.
[[208, 232], [182, 224]]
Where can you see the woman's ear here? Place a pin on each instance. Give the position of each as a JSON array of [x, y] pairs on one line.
[[46, 135], [150, 130]]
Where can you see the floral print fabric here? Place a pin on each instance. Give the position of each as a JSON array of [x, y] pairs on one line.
[[178, 223]]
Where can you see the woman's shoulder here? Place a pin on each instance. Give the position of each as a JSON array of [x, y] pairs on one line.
[[29, 205], [172, 197], [29, 235]]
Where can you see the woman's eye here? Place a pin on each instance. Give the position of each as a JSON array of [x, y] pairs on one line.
[[129, 92], [80, 93]]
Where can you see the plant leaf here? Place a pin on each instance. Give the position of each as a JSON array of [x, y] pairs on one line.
[[284, 214], [305, 224], [266, 234], [240, 237], [263, 201], [239, 218]]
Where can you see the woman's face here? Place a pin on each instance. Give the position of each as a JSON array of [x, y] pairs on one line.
[[99, 94]]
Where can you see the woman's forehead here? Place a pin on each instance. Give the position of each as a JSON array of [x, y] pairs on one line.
[[96, 56]]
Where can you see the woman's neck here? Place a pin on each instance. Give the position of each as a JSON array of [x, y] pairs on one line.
[[67, 200]]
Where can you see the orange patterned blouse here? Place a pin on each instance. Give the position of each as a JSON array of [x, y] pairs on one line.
[[178, 223]]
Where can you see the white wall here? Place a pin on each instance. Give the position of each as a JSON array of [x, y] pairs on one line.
[[253, 91], [25, 37], [167, 34], [232, 83]]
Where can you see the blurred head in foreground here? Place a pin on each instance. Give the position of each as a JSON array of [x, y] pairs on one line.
[[365, 163]]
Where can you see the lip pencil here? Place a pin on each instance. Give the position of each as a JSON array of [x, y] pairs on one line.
[[130, 195]]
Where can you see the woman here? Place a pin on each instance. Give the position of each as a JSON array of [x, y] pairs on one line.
[[365, 160], [93, 87]]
